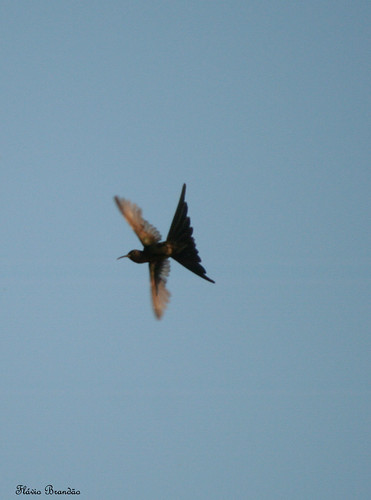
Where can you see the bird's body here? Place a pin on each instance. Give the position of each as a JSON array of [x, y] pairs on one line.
[[179, 245]]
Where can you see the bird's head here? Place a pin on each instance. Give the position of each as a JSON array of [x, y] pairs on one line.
[[134, 255]]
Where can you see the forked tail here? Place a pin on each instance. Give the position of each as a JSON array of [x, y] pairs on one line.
[[180, 235]]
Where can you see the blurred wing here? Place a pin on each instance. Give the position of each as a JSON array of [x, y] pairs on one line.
[[133, 214], [159, 271]]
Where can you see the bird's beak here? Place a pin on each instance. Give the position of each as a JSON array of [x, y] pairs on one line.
[[122, 257]]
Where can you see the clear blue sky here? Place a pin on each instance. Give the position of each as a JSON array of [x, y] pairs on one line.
[[257, 387]]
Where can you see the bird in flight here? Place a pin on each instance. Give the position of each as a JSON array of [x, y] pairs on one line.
[[179, 245]]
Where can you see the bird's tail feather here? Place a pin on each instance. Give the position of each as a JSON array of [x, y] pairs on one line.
[[180, 236]]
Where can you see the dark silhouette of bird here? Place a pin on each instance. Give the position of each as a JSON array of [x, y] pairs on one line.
[[179, 245]]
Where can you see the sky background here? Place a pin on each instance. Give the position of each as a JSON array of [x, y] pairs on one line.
[[257, 387]]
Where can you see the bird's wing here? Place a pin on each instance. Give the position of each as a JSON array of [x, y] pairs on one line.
[[159, 271], [147, 233]]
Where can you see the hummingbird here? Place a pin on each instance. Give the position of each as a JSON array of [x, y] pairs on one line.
[[178, 245]]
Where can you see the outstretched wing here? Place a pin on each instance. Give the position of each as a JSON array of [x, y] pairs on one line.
[[147, 233], [159, 271]]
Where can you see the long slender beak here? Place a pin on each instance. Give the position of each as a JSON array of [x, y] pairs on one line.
[[122, 256]]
